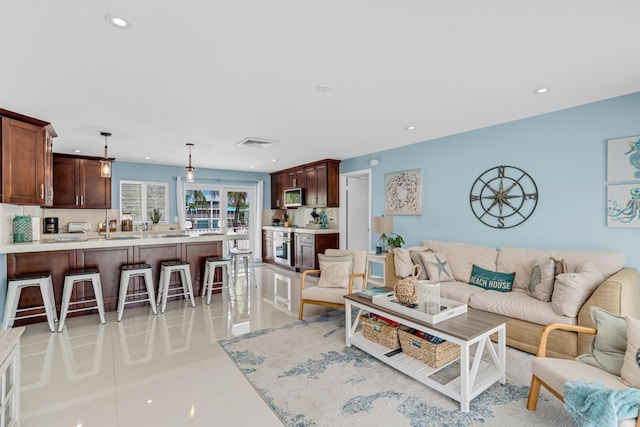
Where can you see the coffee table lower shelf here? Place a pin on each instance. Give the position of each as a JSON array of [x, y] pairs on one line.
[[475, 374], [418, 370]]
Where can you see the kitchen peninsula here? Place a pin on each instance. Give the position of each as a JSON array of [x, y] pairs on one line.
[[65, 252]]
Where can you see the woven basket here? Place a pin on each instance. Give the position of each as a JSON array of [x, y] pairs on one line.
[[434, 355], [379, 332]]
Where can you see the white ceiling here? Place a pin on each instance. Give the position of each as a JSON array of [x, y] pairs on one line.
[[214, 72]]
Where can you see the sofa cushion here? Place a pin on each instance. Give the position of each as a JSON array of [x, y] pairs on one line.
[[405, 258], [335, 271], [517, 304], [463, 256], [543, 274], [459, 291], [571, 290], [521, 261], [437, 266], [630, 371], [335, 295], [491, 280], [609, 344]]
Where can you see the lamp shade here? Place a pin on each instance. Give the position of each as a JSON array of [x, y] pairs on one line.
[[382, 224]]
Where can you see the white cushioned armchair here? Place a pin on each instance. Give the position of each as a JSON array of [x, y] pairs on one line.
[[333, 294]]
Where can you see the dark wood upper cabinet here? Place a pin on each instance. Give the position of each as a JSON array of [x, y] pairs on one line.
[[77, 183], [321, 181], [25, 152]]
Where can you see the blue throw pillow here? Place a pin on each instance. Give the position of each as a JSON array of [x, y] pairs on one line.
[[493, 280]]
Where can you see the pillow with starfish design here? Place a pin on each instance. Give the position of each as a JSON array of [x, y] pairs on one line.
[[437, 266]]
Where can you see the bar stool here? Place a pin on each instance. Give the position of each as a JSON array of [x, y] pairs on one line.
[[209, 272], [129, 271], [247, 257], [14, 289], [166, 269], [80, 276]]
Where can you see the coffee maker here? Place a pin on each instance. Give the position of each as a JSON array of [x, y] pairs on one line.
[[51, 225]]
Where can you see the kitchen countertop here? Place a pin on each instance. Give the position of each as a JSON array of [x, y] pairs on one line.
[[302, 229], [60, 242]]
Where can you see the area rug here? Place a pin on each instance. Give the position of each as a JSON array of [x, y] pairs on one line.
[[308, 376]]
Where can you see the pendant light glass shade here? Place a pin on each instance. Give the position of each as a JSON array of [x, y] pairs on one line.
[[190, 175], [105, 164]]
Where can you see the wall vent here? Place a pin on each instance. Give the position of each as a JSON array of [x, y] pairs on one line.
[[257, 142]]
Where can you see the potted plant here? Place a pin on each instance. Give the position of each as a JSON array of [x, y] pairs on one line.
[[155, 215], [394, 241]]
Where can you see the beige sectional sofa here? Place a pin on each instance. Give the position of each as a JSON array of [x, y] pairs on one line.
[[619, 292]]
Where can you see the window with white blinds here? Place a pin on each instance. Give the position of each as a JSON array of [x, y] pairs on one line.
[[141, 197]]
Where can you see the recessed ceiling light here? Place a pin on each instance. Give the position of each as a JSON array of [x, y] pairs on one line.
[[147, 158], [118, 22], [541, 90], [411, 127], [252, 167], [274, 160], [77, 150], [323, 88]]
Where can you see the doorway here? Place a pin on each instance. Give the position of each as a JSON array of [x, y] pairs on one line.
[[220, 209], [355, 212]]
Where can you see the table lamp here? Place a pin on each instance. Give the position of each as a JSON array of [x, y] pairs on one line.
[[382, 224]]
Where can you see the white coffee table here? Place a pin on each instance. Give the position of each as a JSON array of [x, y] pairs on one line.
[[471, 328]]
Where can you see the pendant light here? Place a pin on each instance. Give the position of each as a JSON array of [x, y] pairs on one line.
[[105, 164], [190, 175]]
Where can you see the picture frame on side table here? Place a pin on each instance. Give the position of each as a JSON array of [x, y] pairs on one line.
[[623, 159], [623, 205], [403, 193]]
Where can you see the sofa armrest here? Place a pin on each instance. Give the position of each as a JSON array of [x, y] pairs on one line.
[[544, 335], [619, 294]]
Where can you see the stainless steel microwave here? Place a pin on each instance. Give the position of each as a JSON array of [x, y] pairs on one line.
[[294, 197]]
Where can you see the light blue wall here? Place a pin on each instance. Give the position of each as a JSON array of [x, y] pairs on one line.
[[163, 173], [564, 152]]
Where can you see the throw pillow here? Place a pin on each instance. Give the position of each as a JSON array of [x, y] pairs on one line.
[[560, 265], [630, 371], [402, 261], [437, 266], [610, 343], [416, 259], [542, 277], [492, 280], [571, 290], [335, 271]]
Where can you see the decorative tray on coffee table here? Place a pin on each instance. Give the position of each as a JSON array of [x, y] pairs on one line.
[[448, 308]]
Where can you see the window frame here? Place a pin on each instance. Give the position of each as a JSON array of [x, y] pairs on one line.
[[144, 201]]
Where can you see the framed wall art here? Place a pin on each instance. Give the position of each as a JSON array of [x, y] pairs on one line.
[[623, 159], [623, 205], [403, 193]]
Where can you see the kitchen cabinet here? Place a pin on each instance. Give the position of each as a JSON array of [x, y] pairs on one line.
[[309, 245], [267, 246], [321, 181], [26, 150], [77, 183], [277, 188]]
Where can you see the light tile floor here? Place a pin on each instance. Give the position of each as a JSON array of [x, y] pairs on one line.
[[148, 370]]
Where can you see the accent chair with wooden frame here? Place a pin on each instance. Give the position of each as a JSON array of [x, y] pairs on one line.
[[552, 373], [333, 297]]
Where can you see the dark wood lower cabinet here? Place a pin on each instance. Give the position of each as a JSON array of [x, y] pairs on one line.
[[109, 261], [309, 245]]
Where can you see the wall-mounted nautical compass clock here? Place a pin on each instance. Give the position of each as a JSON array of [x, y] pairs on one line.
[[503, 197]]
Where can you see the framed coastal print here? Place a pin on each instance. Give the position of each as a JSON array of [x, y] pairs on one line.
[[623, 205], [403, 193], [623, 159]]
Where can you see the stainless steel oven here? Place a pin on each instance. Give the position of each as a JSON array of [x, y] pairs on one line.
[[282, 250]]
